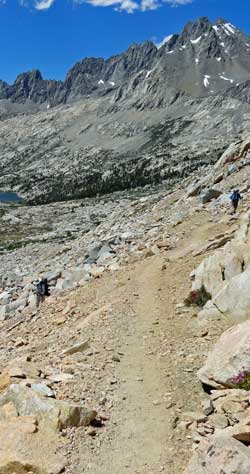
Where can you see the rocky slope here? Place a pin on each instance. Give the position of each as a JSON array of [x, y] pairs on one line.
[[80, 150], [106, 368], [67, 240], [146, 116], [115, 341]]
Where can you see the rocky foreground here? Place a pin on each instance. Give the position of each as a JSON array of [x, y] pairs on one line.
[[102, 377]]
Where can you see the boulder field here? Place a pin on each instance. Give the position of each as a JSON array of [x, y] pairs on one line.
[[221, 289], [122, 321]]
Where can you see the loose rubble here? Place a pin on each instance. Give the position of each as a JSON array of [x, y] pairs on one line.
[[60, 369]]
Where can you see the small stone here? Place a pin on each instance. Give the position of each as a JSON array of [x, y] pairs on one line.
[[97, 272], [169, 405], [20, 342], [8, 411], [61, 320], [218, 421], [208, 407], [43, 389], [203, 333], [61, 377], [192, 416], [16, 372], [83, 346], [4, 382], [102, 401], [91, 431], [113, 381]]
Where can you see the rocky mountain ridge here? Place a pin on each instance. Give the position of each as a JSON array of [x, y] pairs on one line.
[[144, 117], [204, 59]]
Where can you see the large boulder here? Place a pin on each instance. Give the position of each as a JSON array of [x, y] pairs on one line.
[[209, 275], [7, 311], [57, 413], [215, 271], [28, 443], [196, 186], [229, 155], [234, 299], [225, 278], [93, 252], [25, 448], [228, 357], [70, 279], [53, 276], [220, 455], [99, 252], [208, 194]]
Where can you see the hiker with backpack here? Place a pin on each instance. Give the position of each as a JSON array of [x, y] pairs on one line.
[[235, 198], [42, 290]]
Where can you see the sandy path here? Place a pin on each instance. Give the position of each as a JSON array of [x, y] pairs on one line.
[[156, 377], [159, 350]]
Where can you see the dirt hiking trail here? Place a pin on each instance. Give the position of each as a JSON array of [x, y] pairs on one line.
[[160, 348], [145, 348]]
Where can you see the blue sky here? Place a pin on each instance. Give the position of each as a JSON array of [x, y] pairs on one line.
[[51, 35]]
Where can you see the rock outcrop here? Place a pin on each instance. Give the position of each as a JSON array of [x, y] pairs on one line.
[[31, 420], [222, 454], [58, 414], [229, 357], [224, 277]]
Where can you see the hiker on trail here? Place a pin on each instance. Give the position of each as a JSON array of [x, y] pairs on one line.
[[235, 197], [42, 290]]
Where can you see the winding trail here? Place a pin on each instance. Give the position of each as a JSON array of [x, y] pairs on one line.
[[156, 377], [145, 350]]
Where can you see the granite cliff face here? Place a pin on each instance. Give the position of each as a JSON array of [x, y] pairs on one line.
[[139, 118]]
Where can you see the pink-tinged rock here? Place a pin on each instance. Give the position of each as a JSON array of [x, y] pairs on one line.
[[229, 356]]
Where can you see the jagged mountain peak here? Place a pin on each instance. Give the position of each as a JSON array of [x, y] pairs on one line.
[[203, 27], [34, 75], [141, 46], [206, 58], [221, 21], [199, 26]]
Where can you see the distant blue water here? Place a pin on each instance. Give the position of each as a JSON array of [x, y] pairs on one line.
[[7, 197]]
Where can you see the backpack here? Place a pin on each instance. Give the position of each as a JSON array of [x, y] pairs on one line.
[[42, 288], [235, 196]]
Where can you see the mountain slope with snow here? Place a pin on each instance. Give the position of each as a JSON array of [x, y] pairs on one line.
[[147, 116], [182, 62]]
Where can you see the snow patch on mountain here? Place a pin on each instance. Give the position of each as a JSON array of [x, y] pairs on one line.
[[231, 28], [226, 78], [164, 41], [216, 29], [197, 40], [206, 80]]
